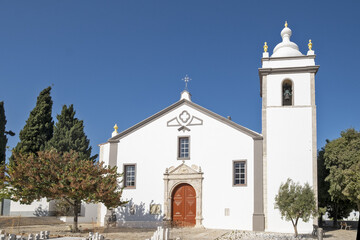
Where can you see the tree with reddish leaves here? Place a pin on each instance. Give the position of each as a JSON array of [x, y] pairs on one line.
[[63, 176]]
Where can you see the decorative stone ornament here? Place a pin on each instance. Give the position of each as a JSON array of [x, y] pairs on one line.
[[310, 44], [184, 120], [265, 53], [310, 52], [286, 48], [265, 47], [115, 132]]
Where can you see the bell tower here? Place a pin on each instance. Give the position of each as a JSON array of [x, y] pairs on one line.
[[287, 88]]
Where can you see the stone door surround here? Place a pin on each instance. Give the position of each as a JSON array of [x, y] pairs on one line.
[[183, 174]]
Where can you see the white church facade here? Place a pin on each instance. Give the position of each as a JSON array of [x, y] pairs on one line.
[[192, 167]]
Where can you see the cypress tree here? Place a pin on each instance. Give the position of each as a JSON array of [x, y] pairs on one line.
[[3, 133], [69, 135], [3, 138], [39, 126]]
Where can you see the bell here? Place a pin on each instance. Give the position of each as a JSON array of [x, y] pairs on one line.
[[287, 94]]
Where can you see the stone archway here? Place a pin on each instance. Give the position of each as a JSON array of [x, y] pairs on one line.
[[183, 174]]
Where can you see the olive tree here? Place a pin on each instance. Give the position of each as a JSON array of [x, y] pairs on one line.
[[295, 202]]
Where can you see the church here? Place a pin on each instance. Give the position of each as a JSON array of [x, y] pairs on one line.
[[189, 166]]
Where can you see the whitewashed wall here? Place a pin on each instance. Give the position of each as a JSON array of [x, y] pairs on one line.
[[213, 146], [301, 89], [88, 214], [291, 159], [37, 208], [289, 136]]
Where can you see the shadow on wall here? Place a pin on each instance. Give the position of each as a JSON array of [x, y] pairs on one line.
[[41, 212], [138, 215]]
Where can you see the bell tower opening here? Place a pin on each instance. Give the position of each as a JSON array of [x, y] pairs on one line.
[[287, 93]]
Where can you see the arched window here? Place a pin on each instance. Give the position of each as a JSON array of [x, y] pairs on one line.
[[287, 93]]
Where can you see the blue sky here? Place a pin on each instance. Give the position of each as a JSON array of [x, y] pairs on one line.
[[122, 61]]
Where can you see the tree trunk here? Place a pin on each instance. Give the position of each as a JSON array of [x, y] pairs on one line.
[[320, 220], [295, 229], [358, 230], [295, 226], [336, 214], [76, 212]]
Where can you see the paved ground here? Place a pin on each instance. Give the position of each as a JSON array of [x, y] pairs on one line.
[[58, 229], [331, 234]]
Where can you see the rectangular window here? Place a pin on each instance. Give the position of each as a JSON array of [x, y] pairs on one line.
[[239, 173], [184, 148], [129, 176]]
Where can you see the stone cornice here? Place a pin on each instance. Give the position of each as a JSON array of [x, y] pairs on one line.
[[307, 69], [288, 58], [267, 71]]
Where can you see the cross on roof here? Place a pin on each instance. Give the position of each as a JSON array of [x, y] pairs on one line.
[[186, 79]]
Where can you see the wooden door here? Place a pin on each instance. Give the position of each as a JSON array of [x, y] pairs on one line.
[[184, 205]]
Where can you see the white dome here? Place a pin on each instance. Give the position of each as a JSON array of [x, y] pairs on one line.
[[286, 48]]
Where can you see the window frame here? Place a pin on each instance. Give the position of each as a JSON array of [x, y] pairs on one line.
[[125, 175], [233, 173], [179, 148]]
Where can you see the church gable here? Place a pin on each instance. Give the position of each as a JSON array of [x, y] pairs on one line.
[[185, 120]]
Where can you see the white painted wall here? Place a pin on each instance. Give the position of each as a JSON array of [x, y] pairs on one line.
[[88, 214], [289, 155], [37, 208], [289, 137], [104, 153], [213, 146], [301, 89]]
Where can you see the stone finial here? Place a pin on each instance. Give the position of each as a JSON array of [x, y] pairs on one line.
[[115, 132], [310, 52], [265, 53], [116, 128]]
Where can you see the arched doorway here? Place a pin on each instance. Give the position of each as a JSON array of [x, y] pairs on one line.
[[183, 205]]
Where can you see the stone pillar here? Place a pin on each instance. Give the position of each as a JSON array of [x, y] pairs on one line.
[[258, 215]]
